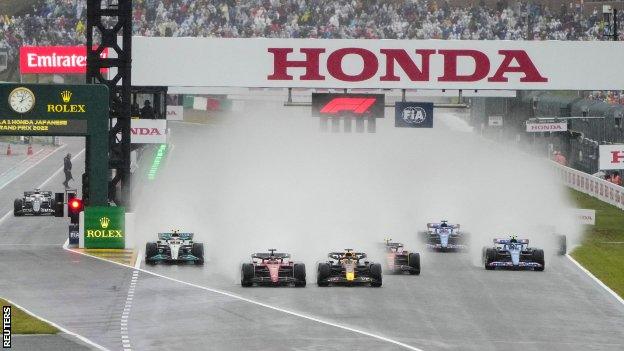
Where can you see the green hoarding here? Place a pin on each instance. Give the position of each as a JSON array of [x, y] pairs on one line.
[[104, 227]]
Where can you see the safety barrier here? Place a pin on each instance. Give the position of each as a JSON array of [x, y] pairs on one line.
[[591, 185]]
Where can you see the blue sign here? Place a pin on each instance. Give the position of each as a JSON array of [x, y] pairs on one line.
[[74, 234], [413, 115]]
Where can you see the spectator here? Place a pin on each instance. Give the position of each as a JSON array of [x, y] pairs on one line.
[[559, 158], [147, 112], [615, 178], [135, 110]]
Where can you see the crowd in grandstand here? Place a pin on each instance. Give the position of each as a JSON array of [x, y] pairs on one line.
[[62, 22], [611, 97]]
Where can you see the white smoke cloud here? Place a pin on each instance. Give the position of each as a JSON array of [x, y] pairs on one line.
[[267, 178]]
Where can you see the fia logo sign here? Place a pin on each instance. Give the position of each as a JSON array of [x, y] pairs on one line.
[[414, 115]]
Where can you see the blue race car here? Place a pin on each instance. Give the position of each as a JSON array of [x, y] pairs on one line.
[[513, 253]]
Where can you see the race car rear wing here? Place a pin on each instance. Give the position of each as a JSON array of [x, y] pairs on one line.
[[182, 236], [508, 241], [437, 225], [266, 255], [341, 255], [44, 193]]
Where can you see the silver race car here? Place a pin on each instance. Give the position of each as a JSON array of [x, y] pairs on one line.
[[513, 253], [444, 236], [174, 247], [34, 203]]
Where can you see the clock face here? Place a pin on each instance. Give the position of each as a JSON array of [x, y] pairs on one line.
[[21, 100]]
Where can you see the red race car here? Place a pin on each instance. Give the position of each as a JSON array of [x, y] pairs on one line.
[[272, 269], [399, 260]]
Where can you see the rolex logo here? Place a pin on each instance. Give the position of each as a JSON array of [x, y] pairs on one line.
[[66, 96], [104, 221]]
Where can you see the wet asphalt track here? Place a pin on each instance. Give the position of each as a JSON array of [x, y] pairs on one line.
[[452, 305]]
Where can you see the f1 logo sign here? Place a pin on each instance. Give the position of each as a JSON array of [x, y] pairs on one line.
[[355, 105]]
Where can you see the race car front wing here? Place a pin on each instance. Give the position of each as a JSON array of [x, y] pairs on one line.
[[509, 264], [449, 246]]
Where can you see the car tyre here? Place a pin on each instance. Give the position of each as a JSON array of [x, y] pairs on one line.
[[414, 261], [375, 273], [563, 244], [247, 274], [323, 273], [490, 256], [538, 256], [299, 273], [18, 205], [151, 250], [198, 251]]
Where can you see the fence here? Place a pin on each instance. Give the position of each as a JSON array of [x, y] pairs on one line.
[[586, 183]]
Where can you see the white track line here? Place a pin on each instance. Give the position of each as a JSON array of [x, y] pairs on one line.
[[125, 315], [33, 165], [79, 337], [137, 263], [258, 303], [603, 285]]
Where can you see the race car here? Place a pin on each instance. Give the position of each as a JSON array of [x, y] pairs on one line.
[[561, 243], [348, 268], [174, 247], [399, 260], [444, 236], [35, 203], [273, 269], [513, 253]]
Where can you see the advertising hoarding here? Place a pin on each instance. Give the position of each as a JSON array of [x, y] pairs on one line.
[[148, 131], [547, 127], [387, 64], [611, 157], [54, 59], [104, 227]]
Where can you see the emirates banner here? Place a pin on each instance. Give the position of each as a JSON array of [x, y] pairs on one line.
[[55, 59], [387, 64]]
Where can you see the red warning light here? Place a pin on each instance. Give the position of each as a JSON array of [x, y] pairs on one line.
[[75, 204]]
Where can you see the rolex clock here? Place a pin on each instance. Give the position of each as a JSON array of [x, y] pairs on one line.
[[21, 100]]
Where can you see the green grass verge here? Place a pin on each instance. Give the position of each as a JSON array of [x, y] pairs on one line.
[[598, 253], [23, 323]]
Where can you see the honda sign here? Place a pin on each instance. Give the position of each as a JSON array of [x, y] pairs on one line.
[[148, 131], [387, 64], [611, 157], [546, 127]]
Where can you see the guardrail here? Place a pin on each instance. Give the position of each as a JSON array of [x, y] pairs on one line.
[[591, 185]]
